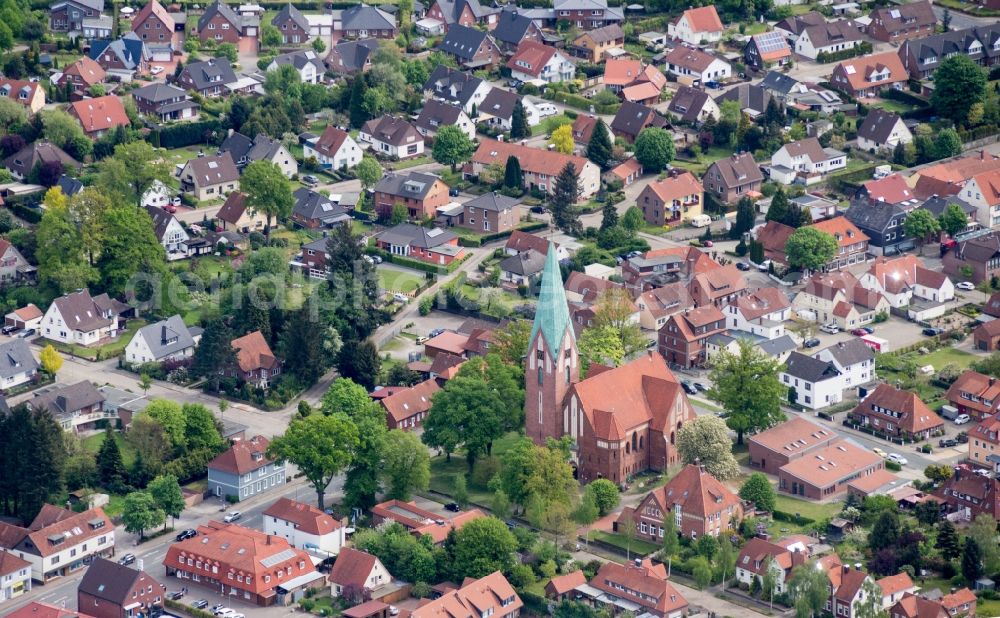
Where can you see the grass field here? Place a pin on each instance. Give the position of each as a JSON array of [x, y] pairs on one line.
[[398, 281], [891, 105], [93, 444], [707, 158], [638, 547], [944, 356], [812, 510]]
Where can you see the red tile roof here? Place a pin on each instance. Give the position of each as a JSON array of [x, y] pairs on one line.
[[910, 413], [488, 595], [561, 584], [403, 404], [531, 57], [243, 457], [153, 7], [87, 70], [439, 532], [522, 241], [793, 436], [621, 71], [306, 517], [51, 528], [894, 584], [253, 353], [644, 584], [15, 89], [983, 387], [697, 492], [352, 568], [857, 70], [37, 609], [703, 19], [406, 514], [892, 189], [844, 231], [10, 563], [533, 160], [677, 187], [830, 465], [100, 114], [330, 141], [627, 168], [689, 58], [895, 274]]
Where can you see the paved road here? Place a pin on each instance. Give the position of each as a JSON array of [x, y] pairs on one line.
[[961, 21]]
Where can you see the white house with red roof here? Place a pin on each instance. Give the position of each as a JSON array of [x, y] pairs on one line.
[[534, 61], [304, 526], [906, 277], [983, 192], [491, 595], [59, 541], [758, 556], [100, 115], [540, 168], [697, 25], [355, 571], [245, 470], [762, 313], [334, 149]]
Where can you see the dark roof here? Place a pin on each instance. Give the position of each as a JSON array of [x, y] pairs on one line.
[[633, 117], [209, 73], [289, 12], [462, 41], [688, 102], [311, 205], [797, 23], [511, 27], [444, 79], [749, 96], [436, 114], [809, 368], [452, 9], [233, 208], [264, 148], [70, 186], [779, 83], [902, 17], [737, 169], [16, 358], [416, 236], [130, 49], [851, 352], [414, 185], [499, 103], [161, 219], [299, 59], [159, 92], [878, 125], [220, 8], [932, 50], [213, 170], [237, 145], [65, 400], [364, 17], [38, 151], [873, 215], [492, 201], [392, 130], [980, 249], [526, 263], [166, 336], [354, 54], [833, 33], [109, 581], [937, 205]]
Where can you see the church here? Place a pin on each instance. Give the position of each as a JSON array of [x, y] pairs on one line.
[[624, 420]]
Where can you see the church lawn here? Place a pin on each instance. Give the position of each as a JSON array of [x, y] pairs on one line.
[[443, 472], [638, 547]]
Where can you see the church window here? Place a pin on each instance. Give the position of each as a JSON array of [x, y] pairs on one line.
[[541, 375]]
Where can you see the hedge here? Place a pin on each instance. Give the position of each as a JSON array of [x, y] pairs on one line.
[[22, 206], [184, 134], [187, 609], [978, 133], [583, 103], [844, 54], [794, 518]]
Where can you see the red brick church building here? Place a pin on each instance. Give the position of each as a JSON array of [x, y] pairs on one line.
[[624, 420]]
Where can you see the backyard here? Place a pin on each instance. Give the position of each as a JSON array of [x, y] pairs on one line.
[[392, 280], [93, 444]]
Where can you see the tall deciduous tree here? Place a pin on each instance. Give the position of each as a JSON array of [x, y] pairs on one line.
[[61, 260], [599, 148], [758, 489], [406, 465], [140, 513], [130, 249], [166, 491], [452, 146], [706, 440], [564, 196], [920, 225], [953, 220], [959, 83], [320, 446], [746, 384], [132, 170], [363, 474], [481, 547], [654, 149], [562, 139], [267, 190], [808, 590], [869, 605], [810, 249]]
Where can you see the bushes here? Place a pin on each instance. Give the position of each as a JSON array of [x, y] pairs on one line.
[[575, 100], [860, 50], [794, 518], [892, 466]]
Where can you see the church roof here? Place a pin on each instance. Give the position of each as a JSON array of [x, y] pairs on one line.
[[552, 315]]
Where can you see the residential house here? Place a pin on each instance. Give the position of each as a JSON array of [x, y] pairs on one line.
[[983, 191], [693, 105], [828, 38], [782, 86], [816, 383], [671, 201], [312, 259], [112, 590], [255, 363], [632, 118], [923, 56], [967, 495], [266, 569], [163, 341], [471, 48], [805, 161], [699, 503], [420, 193], [433, 246], [292, 24], [436, 114], [795, 438], [762, 313], [513, 28], [584, 14], [170, 233], [896, 414], [620, 72], [912, 605], [80, 76], [903, 279], [682, 338], [753, 99], [758, 557], [153, 24], [210, 177], [14, 269], [893, 189], [17, 365], [490, 213], [459, 87], [894, 24], [15, 576], [222, 24], [262, 148], [523, 269], [731, 178], [356, 570], [363, 21], [59, 542], [646, 88], [626, 172], [534, 61], [497, 109], [407, 408], [77, 407], [947, 178], [592, 45], [245, 470], [29, 94], [772, 236], [37, 153], [992, 306], [852, 243], [443, 15], [697, 66], [209, 78], [490, 595], [867, 76], [766, 50], [882, 222], [391, 137], [519, 242], [975, 394], [882, 130], [80, 319], [304, 526], [986, 336], [719, 287], [99, 115], [314, 210], [828, 471], [658, 304], [563, 587], [981, 255], [235, 216], [840, 298], [165, 103], [539, 168], [334, 149], [696, 25], [70, 15], [308, 65], [662, 266], [123, 57], [961, 602], [28, 316], [641, 584], [818, 207], [351, 57]]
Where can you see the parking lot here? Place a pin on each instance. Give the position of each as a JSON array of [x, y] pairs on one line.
[[420, 326]]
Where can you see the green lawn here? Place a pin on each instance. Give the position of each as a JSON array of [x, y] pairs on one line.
[[109, 350], [405, 163], [707, 158], [93, 444], [944, 356], [398, 281], [638, 547], [812, 510], [443, 472], [892, 105]]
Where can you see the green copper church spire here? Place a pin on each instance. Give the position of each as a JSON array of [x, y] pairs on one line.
[[552, 314]]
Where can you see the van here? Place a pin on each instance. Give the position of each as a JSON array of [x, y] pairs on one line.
[[949, 412], [701, 221]]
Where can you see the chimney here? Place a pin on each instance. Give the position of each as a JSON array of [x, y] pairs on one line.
[[857, 566], [846, 568], [638, 562]]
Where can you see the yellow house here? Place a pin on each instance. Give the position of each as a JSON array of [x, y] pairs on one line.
[[592, 44], [984, 440], [29, 94], [234, 216]]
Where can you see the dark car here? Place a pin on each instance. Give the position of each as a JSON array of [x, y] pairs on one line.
[[10, 328], [186, 534], [453, 192], [28, 333], [947, 443], [511, 524], [700, 387], [453, 507], [933, 332], [126, 559], [742, 266], [434, 333], [199, 604], [962, 437], [178, 594], [689, 387], [538, 210], [811, 343], [310, 180], [868, 329]]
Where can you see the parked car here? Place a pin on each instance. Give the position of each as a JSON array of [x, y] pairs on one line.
[[811, 342], [177, 595], [897, 458], [879, 452], [962, 437], [962, 419], [170, 208], [9, 329], [127, 559], [538, 209], [965, 285], [187, 534], [868, 329], [453, 507], [421, 340], [28, 333], [225, 612], [947, 443], [434, 333], [399, 297], [707, 243], [932, 332], [688, 387], [831, 328], [232, 516], [859, 332], [453, 192], [199, 604], [984, 472], [713, 84], [700, 387], [218, 606], [156, 70], [742, 266], [547, 109], [310, 180]]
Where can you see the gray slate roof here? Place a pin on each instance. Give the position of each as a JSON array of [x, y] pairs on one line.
[[364, 17], [778, 83], [129, 49], [632, 118], [738, 169], [937, 205], [414, 185], [16, 358], [69, 186], [443, 79], [159, 92], [777, 347], [212, 72], [878, 125], [688, 103], [436, 114], [166, 337], [452, 9], [109, 581], [851, 352], [161, 219], [354, 54], [872, 215], [462, 41], [809, 368], [63, 401], [493, 201], [237, 145], [416, 236], [749, 96], [527, 263], [220, 8], [289, 12], [312, 205], [500, 103], [300, 59], [931, 51], [511, 27]]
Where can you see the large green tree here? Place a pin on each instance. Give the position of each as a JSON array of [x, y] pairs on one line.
[[920, 225], [452, 146], [362, 482], [746, 383], [130, 249], [513, 178], [947, 540], [565, 193], [810, 249], [110, 468], [959, 84], [132, 170], [481, 547], [808, 588], [267, 191], [61, 259], [406, 465], [705, 440], [758, 489], [214, 355], [599, 148], [167, 494], [33, 453], [321, 446], [953, 220], [654, 149], [972, 561], [140, 513], [519, 127]]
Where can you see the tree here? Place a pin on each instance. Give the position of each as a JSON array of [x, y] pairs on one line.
[[358, 114], [33, 456], [130, 248], [972, 561], [959, 83], [920, 225], [369, 172], [12, 116], [482, 546], [633, 220], [140, 513], [110, 469], [706, 440], [869, 605], [746, 214], [363, 479], [320, 446], [725, 559], [746, 384], [885, 531], [318, 46], [586, 512], [654, 149], [406, 464], [519, 127], [359, 361], [145, 382], [60, 128], [200, 429], [953, 220], [460, 491], [701, 571], [946, 21], [270, 37], [600, 345], [562, 139], [809, 248], [808, 590], [605, 494], [88, 210], [166, 491], [60, 255], [170, 416], [214, 354], [613, 311], [947, 143], [938, 473], [947, 540], [671, 541], [132, 170], [267, 191], [564, 196], [609, 216], [51, 360], [985, 536], [513, 178], [758, 489], [452, 146], [600, 146]]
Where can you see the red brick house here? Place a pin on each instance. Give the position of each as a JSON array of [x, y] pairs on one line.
[[292, 24], [81, 75], [975, 394], [255, 363], [719, 287], [471, 48], [153, 24], [561, 587], [408, 407], [897, 23], [100, 115], [987, 336], [222, 24], [682, 338], [897, 413], [434, 246], [969, 494], [421, 193], [643, 584], [795, 438], [699, 503], [112, 590]]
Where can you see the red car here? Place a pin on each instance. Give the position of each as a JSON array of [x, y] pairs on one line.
[[170, 208], [859, 332]]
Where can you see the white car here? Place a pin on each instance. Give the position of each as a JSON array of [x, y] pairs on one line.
[[224, 611], [232, 516], [547, 109], [401, 298], [831, 328], [965, 285], [156, 70], [983, 472], [897, 458], [962, 419]]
